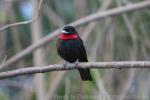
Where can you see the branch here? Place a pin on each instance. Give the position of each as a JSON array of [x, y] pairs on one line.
[[60, 67], [112, 12], [24, 22], [92, 17]]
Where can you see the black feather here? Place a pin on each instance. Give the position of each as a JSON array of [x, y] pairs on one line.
[[73, 50]]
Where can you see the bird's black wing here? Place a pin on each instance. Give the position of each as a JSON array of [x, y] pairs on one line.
[[82, 52]]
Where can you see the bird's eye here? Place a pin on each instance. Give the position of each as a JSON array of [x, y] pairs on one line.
[[68, 30]]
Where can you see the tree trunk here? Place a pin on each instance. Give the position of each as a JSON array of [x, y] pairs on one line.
[[38, 55]]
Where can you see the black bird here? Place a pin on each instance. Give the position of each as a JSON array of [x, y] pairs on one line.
[[71, 48]]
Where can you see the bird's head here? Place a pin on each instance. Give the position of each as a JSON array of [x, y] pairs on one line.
[[68, 33], [68, 30]]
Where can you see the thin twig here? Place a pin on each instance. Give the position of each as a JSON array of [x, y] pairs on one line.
[[89, 28], [4, 60], [60, 67], [54, 85], [92, 17], [24, 22]]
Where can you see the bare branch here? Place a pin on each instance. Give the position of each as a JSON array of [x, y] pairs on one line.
[[60, 67], [112, 12], [92, 17], [24, 22]]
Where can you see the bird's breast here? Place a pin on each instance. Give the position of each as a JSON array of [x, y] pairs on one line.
[[68, 49]]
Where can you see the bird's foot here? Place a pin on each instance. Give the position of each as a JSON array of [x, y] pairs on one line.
[[76, 63], [65, 64]]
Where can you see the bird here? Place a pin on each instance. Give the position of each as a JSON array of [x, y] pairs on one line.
[[70, 47]]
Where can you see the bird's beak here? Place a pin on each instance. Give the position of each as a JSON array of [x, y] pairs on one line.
[[65, 32]]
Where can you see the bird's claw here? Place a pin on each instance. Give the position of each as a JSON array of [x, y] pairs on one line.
[[65, 64], [76, 63]]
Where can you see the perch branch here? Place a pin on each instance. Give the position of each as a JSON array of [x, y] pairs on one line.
[[92, 17], [24, 22], [60, 67]]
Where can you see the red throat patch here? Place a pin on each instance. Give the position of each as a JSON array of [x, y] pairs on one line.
[[68, 36]]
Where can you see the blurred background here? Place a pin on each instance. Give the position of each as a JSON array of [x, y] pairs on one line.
[[124, 37]]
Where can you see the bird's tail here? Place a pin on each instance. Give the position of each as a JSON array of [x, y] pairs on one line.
[[85, 74]]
